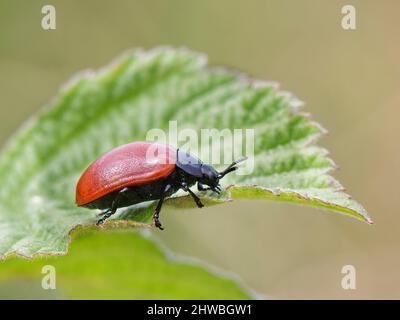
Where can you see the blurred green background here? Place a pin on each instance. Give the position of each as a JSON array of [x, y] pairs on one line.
[[349, 80]]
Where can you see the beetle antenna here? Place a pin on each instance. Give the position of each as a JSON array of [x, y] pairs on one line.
[[231, 167]]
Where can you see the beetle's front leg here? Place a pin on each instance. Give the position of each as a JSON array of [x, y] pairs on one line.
[[109, 212], [217, 189], [201, 187]]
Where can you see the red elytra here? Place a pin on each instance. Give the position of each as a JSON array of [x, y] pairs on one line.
[[129, 165]]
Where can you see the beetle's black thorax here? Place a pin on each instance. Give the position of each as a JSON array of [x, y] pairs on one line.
[[189, 164]]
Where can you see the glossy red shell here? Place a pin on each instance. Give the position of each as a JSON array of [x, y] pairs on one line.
[[131, 164]]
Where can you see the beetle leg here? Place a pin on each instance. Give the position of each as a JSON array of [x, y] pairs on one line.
[[201, 187], [109, 212], [156, 213], [217, 189], [102, 213], [194, 196], [105, 215]]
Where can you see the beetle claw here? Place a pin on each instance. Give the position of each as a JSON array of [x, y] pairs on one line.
[[158, 224]]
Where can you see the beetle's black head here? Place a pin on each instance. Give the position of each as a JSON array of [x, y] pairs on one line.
[[210, 176], [202, 172]]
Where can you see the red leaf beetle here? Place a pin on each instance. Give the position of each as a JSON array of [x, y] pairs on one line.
[[144, 171]]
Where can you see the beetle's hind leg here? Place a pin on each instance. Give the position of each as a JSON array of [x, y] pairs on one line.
[[104, 216], [109, 212], [103, 213]]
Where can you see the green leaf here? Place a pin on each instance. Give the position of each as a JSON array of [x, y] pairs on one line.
[[142, 90], [115, 265]]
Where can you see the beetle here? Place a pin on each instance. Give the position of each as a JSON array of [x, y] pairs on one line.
[[142, 171]]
